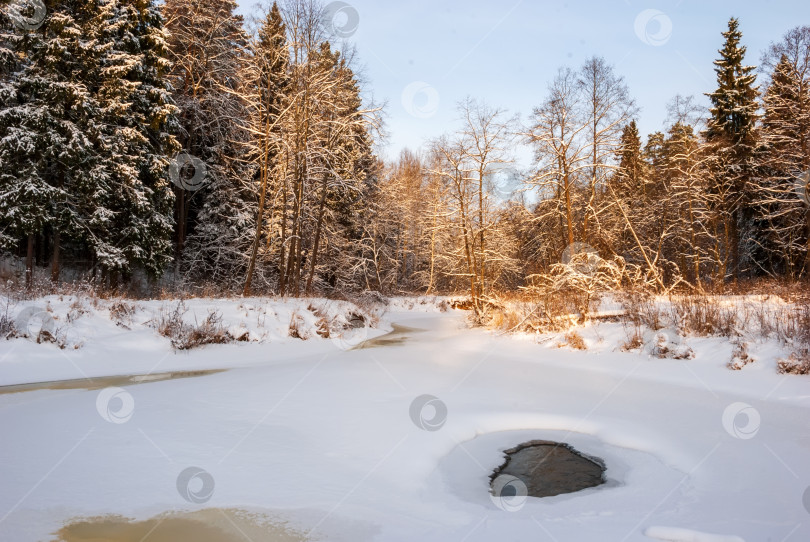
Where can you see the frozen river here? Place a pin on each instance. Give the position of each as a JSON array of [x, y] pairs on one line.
[[396, 442]]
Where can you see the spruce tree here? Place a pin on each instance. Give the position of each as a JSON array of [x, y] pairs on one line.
[[655, 159], [630, 177], [785, 159], [345, 167], [686, 202], [731, 133], [48, 121], [134, 231], [207, 45]]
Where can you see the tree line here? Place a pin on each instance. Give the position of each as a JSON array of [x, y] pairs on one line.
[[139, 139], [146, 139], [720, 195]]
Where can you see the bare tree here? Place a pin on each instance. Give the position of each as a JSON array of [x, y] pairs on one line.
[[557, 131], [609, 108], [488, 132]]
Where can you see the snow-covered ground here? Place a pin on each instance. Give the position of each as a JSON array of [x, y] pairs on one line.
[[398, 442]]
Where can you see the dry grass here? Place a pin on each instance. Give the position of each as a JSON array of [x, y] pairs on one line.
[[740, 357], [739, 318], [798, 363], [121, 312], [574, 340], [704, 317], [634, 341], [552, 312], [7, 328], [184, 336]]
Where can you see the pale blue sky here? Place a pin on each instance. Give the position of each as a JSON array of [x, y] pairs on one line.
[[505, 53]]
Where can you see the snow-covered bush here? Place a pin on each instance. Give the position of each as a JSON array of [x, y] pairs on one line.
[[585, 276], [7, 328], [185, 336], [796, 363]]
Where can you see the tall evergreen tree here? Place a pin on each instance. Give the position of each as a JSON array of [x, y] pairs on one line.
[[133, 220], [687, 202], [731, 133], [631, 173], [346, 166], [207, 46], [786, 158], [48, 122], [655, 158]]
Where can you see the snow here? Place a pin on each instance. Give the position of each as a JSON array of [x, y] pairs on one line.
[[686, 535], [327, 438]]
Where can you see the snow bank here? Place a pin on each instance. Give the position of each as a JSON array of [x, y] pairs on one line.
[[74, 321], [673, 534], [750, 333], [85, 328]]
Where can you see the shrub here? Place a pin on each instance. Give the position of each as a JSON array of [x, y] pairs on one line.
[[574, 340], [184, 336], [796, 364]]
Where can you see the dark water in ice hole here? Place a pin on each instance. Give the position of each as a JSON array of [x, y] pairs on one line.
[[551, 468]]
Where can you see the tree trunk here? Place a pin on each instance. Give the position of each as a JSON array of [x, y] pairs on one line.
[[55, 263], [569, 214], [258, 238], [432, 252], [481, 234], [316, 243], [29, 263], [181, 228]]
